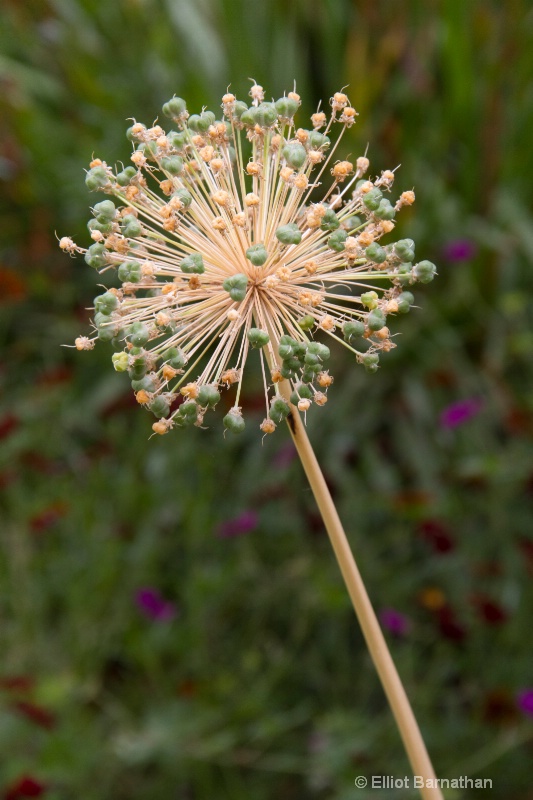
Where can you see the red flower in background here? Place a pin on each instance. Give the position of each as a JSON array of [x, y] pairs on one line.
[[24, 787], [36, 714], [437, 535], [489, 611]]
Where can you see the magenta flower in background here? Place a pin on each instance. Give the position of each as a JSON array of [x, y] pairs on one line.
[[244, 523], [395, 622], [150, 603], [525, 702], [459, 250], [460, 412]]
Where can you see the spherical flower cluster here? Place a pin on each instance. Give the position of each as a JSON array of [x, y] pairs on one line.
[[221, 248]]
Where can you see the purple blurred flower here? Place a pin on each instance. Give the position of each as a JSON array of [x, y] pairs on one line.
[[152, 605], [525, 701], [460, 412], [396, 622], [459, 250], [284, 456], [244, 523]]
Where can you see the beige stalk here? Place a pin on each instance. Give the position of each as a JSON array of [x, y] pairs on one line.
[[377, 646]]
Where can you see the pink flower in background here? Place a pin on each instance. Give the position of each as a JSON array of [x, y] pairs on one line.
[[150, 603], [525, 701], [244, 523], [460, 412], [459, 250], [395, 622]]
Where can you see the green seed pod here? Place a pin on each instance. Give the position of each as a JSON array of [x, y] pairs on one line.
[[105, 334], [100, 320], [385, 210], [105, 303], [286, 107], [308, 375], [405, 274], [159, 407], [96, 256], [285, 351], [257, 254], [149, 149], [239, 109], [96, 179], [201, 122], [120, 361], [289, 234], [130, 226], [307, 322], [372, 199], [117, 342], [405, 300], [292, 363], [370, 361], [172, 164], [311, 359], [370, 299], [405, 249], [294, 154], [248, 117], [233, 421], [188, 411], [374, 252], [193, 121], [287, 373], [425, 271], [138, 334], [336, 241], [257, 337], [352, 331], [279, 410], [125, 177], [350, 224], [145, 383], [175, 108], [105, 211], [178, 139], [318, 141], [376, 320], [319, 349], [208, 396], [103, 227], [236, 285], [330, 221], [302, 390], [265, 115], [193, 263], [175, 358], [137, 369], [130, 272], [184, 196]]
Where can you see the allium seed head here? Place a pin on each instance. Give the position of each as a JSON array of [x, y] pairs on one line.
[[220, 252]]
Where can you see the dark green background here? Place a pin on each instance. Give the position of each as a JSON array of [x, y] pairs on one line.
[[260, 687]]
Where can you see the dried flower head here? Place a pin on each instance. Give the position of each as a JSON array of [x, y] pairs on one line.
[[220, 249]]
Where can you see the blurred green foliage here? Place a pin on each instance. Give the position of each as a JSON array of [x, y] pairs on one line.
[[259, 685]]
